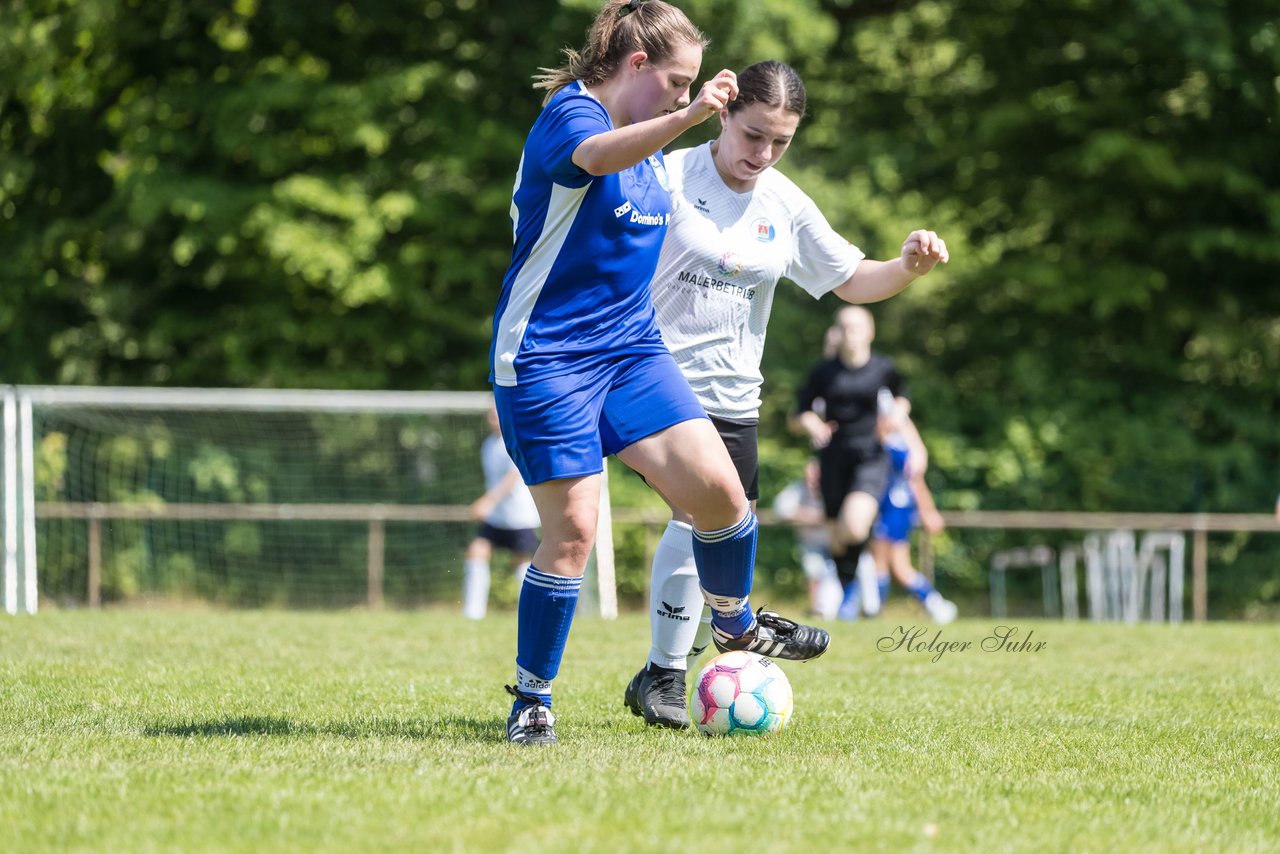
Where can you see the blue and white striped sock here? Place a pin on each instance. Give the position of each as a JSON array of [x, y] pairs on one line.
[[547, 603], [850, 602], [921, 588], [726, 562]]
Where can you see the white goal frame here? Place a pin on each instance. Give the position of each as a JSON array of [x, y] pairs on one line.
[[21, 572]]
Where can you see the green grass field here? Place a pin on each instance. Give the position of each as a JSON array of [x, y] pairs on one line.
[[250, 731]]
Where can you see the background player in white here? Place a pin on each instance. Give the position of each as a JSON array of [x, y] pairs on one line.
[[800, 503], [579, 367], [509, 522], [738, 227]]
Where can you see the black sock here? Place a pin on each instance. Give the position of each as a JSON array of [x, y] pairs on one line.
[[847, 563]]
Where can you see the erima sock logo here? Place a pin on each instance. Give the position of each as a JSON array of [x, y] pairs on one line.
[[672, 613]]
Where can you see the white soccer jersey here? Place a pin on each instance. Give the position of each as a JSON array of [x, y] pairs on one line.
[[516, 510], [721, 261]]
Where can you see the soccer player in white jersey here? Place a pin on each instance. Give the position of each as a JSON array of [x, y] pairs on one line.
[[579, 368], [738, 226], [508, 522]]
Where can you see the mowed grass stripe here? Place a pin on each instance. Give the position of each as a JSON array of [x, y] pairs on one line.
[[245, 731]]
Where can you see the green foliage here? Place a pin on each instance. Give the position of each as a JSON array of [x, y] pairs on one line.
[[1111, 180], [234, 193], [259, 195]]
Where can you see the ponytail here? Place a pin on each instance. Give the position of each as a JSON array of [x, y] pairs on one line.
[[621, 28]]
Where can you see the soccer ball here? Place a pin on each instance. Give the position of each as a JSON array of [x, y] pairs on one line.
[[740, 693]]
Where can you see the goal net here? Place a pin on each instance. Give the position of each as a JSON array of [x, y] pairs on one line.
[[244, 498]]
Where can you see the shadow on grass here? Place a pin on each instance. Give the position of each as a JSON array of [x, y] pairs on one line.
[[452, 729], [246, 725]]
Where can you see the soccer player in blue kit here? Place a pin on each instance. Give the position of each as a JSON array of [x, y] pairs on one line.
[[906, 503], [579, 368]]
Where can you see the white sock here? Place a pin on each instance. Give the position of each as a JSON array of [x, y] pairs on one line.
[[675, 599], [831, 594], [475, 589], [702, 640], [520, 571], [531, 683], [869, 584]]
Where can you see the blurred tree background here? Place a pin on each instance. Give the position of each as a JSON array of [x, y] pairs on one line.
[[237, 193]]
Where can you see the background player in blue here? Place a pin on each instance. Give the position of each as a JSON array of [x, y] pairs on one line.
[[855, 469], [738, 227], [579, 368], [907, 502]]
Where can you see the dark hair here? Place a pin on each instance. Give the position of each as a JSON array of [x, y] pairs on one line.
[[621, 28], [772, 83]]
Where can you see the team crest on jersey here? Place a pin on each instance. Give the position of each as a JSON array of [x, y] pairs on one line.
[[763, 230], [730, 264], [660, 171]]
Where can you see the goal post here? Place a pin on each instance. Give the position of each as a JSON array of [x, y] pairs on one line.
[[9, 506], [245, 497]]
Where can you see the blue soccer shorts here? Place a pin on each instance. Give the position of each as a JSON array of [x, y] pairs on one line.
[[895, 523], [564, 426]]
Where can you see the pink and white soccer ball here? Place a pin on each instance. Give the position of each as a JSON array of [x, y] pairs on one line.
[[740, 693]]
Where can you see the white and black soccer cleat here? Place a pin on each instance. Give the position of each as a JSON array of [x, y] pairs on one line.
[[773, 636], [658, 695], [532, 723]]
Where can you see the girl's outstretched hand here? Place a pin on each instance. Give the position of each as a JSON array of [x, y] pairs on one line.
[[921, 252]]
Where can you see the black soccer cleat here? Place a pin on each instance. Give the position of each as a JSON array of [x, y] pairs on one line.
[[776, 637], [657, 694], [532, 723]]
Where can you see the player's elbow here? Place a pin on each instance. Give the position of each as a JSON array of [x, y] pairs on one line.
[[595, 170], [592, 160]]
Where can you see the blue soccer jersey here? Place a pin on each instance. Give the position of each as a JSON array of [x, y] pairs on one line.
[[577, 291], [898, 504]]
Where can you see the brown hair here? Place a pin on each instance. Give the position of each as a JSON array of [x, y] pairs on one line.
[[621, 28], [772, 83]]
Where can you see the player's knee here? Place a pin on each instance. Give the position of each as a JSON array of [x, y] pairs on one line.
[[563, 556], [725, 504], [575, 534], [852, 532]]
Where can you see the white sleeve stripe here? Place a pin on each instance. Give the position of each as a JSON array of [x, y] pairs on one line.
[[527, 286]]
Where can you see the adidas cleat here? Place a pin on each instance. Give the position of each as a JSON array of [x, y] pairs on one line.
[[776, 637], [657, 694], [532, 723]]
